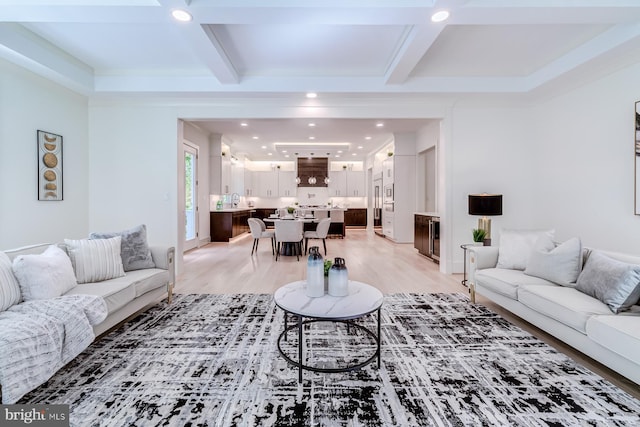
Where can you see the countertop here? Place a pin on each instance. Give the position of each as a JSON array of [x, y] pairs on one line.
[[233, 210], [428, 214]]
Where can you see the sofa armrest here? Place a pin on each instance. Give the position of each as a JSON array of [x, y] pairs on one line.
[[481, 257], [164, 258]]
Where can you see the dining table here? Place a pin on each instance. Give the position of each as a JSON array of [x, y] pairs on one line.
[[309, 224]]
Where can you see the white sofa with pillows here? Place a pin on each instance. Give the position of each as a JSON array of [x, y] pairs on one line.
[[585, 297], [56, 298]]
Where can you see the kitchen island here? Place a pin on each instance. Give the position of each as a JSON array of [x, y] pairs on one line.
[[337, 228], [229, 223]]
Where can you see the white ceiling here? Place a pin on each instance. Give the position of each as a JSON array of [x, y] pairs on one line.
[[351, 48]]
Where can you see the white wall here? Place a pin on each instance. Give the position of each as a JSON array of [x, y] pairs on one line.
[[585, 163], [133, 173], [29, 103], [490, 150]]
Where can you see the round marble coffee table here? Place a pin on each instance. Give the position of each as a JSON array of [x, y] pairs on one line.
[[363, 299]]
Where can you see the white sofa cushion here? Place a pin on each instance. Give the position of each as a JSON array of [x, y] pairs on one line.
[[506, 282], [559, 264], [9, 286], [44, 276], [95, 260], [620, 333], [566, 305], [120, 291], [516, 246]]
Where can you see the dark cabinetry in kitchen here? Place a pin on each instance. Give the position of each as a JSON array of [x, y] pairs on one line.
[[226, 225], [355, 217], [426, 236]]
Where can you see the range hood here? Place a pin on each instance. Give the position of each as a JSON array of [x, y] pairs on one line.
[[314, 167]]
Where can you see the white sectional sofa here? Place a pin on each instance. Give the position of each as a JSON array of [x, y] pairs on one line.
[[582, 321], [44, 327]]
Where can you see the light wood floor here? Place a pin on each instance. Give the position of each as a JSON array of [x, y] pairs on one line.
[[220, 268]]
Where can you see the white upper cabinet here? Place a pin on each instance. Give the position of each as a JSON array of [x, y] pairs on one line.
[[287, 186], [355, 184], [249, 188], [338, 184], [267, 183]]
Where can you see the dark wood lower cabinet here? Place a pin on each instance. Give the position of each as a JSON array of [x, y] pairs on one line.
[[421, 238], [355, 217], [226, 225]]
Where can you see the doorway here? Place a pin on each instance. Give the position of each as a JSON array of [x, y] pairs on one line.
[[190, 159]]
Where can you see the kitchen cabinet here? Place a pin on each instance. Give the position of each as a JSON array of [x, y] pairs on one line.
[[346, 183], [427, 236], [400, 187], [225, 178], [249, 185], [225, 225], [355, 217], [267, 183], [355, 184], [388, 169], [338, 184], [388, 224], [237, 178], [287, 186]]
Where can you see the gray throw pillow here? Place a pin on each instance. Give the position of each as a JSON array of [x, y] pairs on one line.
[[615, 283], [134, 249], [559, 264]]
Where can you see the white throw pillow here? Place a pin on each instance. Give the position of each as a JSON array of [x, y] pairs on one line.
[[516, 246], [9, 286], [95, 260], [558, 264], [44, 276]]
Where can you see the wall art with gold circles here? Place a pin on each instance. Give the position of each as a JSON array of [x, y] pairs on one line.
[[49, 166]]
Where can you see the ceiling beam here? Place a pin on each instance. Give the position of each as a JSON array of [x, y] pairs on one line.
[[414, 47], [24, 48], [588, 51]]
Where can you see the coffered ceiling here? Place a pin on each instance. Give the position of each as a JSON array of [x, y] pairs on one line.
[[284, 48]]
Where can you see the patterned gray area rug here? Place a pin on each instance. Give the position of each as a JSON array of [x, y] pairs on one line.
[[212, 360]]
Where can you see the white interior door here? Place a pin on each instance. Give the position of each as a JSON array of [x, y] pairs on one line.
[[190, 196]]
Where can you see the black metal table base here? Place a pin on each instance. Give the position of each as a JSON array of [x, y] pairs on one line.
[[299, 325]]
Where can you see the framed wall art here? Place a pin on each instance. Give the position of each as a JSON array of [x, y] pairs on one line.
[[49, 166]]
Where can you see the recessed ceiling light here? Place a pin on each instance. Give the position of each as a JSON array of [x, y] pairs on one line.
[[284, 151], [286, 155], [360, 147], [353, 154], [181, 15], [312, 137], [339, 151], [244, 125], [269, 154], [379, 125], [367, 138], [312, 95], [254, 137], [264, 147], [441, 15], [337, 155], [311, 125]]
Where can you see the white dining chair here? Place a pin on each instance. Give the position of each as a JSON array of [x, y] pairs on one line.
[[259, 231], [289, 232], [320, 232]]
